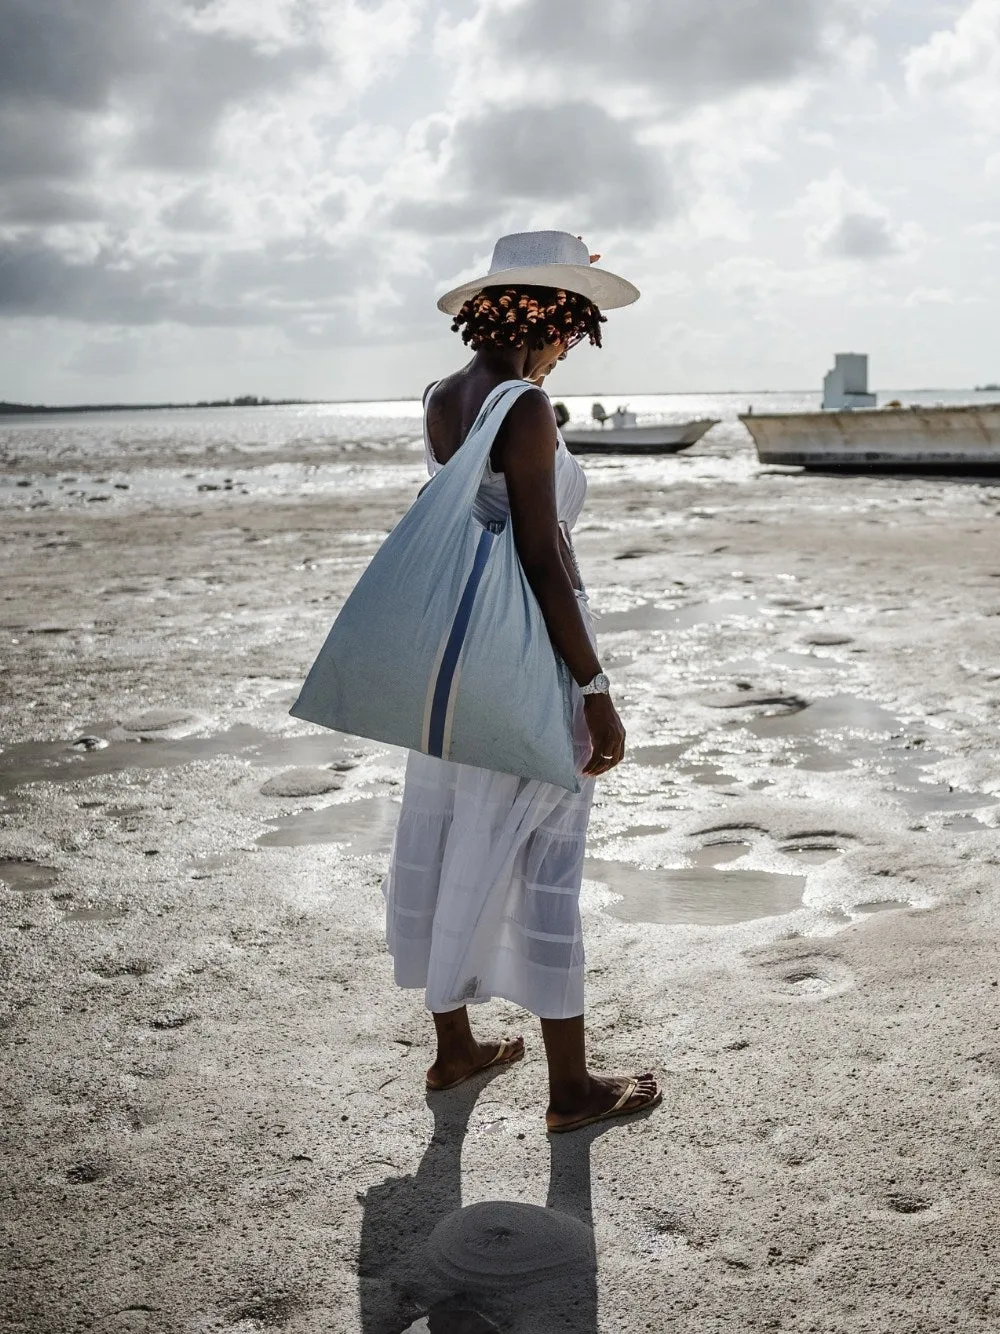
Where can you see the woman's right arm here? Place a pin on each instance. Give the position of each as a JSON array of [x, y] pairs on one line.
[[527, 451]]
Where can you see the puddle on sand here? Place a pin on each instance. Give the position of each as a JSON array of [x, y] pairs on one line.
[[835, 713], [717, 854], [707, 775], [655, 755], [783, 658], [25, 876], [93, 914], [880, 905], [700, 896], [648, 616], [366, 826], [814, 856], [892, 752], [59, 762]]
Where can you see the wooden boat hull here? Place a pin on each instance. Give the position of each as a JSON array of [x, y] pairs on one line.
[[665, 439], [917, 439]]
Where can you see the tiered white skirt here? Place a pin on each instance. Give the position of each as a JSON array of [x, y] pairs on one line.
[[482, 895]]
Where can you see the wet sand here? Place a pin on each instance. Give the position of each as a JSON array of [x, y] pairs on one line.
[[213, 1107]]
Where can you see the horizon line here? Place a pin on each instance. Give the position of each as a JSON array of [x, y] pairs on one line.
[[9, 407]]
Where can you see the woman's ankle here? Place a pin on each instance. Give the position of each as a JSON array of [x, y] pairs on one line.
[[569, 1094]]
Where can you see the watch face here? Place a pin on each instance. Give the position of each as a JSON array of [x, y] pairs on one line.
[[601, 683]]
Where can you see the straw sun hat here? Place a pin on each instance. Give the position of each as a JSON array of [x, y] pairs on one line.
[[545, 259]]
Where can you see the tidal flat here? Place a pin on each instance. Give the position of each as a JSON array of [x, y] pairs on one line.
[[213, 1100]]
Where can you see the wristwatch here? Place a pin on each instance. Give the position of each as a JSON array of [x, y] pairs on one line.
[[599, 686]]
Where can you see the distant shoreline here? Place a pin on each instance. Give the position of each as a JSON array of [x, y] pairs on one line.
[[252, 401], [245, 401]]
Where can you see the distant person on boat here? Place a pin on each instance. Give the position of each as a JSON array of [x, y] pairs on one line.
[[456, 926]]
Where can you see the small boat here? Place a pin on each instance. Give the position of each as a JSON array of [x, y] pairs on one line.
[[618, 433], [889, 439]]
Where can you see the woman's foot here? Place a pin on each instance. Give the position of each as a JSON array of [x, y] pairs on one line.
[[457, 1065], [601, 1099]]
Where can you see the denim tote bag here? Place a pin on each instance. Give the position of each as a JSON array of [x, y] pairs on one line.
[[442, 647]]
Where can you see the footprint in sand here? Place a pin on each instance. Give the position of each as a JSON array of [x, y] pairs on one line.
[[908, 1202], [794, 971]]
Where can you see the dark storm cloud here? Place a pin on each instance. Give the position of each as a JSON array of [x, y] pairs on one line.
[[199, 77], [252, 287], [40, 142], [64, 61], [862, 236], [39, 204], [572, 155], [682, 51], [68, 53]]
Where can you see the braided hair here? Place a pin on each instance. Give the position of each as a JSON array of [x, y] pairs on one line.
[[530, 317]]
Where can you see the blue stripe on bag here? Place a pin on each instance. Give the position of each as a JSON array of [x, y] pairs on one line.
[[453, 649]]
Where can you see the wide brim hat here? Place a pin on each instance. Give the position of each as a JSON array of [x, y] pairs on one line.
[[545, 259]]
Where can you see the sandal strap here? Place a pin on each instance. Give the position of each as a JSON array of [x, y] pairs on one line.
[[630, 1087], [502, 1051]]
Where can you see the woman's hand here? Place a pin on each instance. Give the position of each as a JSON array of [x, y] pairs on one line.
[[607, 736]]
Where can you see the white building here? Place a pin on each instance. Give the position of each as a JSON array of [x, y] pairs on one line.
[[846, 386]]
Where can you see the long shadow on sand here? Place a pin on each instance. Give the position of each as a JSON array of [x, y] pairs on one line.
[[430, 1266]]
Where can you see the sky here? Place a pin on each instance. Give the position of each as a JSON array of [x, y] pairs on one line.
[[206, 198]]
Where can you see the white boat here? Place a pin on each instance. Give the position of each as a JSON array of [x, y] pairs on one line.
[[619, 433], [890, 439]]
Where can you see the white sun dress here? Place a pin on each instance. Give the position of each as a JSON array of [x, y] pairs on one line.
[[482, 894]]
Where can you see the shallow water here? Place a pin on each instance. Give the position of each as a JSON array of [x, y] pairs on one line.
[[61, 762], [365, 826], [649, 616], [26, 876], [698, 896]]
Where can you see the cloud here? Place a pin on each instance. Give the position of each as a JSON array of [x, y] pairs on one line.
[[110, 354], [521, 154], [847, 222], [930, 296], [68, 54], [962, 62], [263, 285], [861, 236], [680, 53], [196, 210], [38, 204]]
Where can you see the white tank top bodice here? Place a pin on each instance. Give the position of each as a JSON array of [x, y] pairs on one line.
[[492, 502]]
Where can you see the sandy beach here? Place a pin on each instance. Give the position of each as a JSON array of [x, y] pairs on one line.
[[213, 1106]]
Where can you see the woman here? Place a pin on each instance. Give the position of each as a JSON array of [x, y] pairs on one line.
[[519, 936]]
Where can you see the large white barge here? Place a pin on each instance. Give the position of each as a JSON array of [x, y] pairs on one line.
[[891, 439]]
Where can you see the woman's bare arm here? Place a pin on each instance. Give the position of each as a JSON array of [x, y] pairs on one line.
[[527, 450]]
